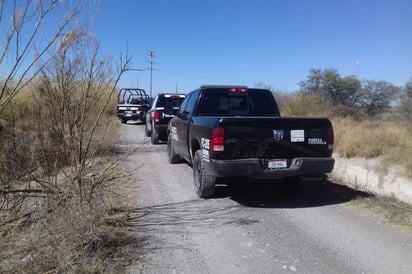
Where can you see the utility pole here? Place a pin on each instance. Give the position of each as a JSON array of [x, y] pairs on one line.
[[151, 55]]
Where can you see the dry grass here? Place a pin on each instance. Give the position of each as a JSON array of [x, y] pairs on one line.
[[69, 228], [60, 234], [71, 242], [374, 138], [67, 236]]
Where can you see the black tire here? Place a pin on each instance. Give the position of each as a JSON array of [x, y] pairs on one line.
[[146, 129], [154, 136], [172, 157], [123, 120], [204, 184], [143, 117]]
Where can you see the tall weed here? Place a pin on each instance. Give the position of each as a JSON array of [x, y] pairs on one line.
[[374, 138]]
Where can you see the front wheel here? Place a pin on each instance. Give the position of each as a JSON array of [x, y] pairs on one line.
[[204, 184]]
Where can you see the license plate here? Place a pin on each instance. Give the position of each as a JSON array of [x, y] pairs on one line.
[[276, 164], [128, 114]]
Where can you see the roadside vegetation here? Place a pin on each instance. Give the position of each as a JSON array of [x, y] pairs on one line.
[[58, 170]]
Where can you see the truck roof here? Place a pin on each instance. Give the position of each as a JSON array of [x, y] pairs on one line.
[[223, 86]]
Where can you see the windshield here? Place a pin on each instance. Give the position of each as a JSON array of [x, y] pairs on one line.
[[220, 102], [169, 102]]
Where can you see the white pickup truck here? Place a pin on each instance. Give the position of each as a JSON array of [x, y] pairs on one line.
[[132, 104]]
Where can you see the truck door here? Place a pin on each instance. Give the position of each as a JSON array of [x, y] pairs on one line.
[[183, 124], [180, 127]]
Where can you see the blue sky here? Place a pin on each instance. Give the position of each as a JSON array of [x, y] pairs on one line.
[[275, 42]]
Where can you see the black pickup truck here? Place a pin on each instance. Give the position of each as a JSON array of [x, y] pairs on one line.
[[132, 104], [156, 117], [226, 131]]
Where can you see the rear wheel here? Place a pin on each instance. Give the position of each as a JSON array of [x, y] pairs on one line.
[[146, 129], [204, 184], [172, 157], [154, 136]]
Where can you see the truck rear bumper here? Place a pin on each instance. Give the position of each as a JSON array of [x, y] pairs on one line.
[[254, 168], [130, 116]]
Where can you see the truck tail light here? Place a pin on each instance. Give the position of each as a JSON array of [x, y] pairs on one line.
[[331, 138], [238, 89], [156, 116], [217, 140]]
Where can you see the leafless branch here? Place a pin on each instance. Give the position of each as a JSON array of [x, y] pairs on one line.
[[28, 63]]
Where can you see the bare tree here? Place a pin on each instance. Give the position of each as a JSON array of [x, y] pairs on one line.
[[30, 39]]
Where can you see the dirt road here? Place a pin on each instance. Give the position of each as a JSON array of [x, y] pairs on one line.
[[252, 228]]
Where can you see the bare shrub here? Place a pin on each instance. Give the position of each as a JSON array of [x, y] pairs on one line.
[[53, 192], [68, 103], [56, 101], [70, 239], [23, 40]]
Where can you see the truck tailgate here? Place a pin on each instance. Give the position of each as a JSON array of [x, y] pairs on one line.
[[276, 138]]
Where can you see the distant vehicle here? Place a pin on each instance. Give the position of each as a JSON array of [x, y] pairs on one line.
[[230, 131], [157, 119], [132, 104]]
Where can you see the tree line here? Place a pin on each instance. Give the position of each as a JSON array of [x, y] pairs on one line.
[[350, 96]]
